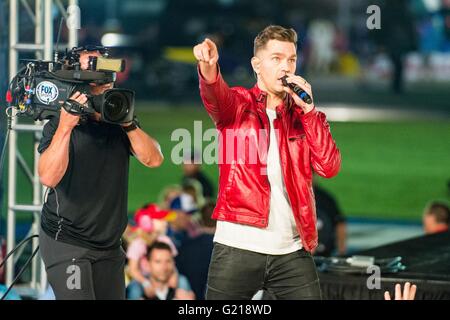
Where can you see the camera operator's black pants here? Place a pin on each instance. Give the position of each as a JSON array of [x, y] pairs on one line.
[[77, 273], [236, 274]]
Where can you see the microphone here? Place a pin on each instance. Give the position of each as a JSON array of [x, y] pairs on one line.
[[298, 91]]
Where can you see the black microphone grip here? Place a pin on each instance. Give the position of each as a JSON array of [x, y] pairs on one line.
[[298, 91]]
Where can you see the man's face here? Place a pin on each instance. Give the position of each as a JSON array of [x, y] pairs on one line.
[[161, 265], [96, 89], [190, 169], [430, 225], [274, 61], [160, 226]]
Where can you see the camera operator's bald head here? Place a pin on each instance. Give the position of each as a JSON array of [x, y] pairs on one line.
[[84, 58]]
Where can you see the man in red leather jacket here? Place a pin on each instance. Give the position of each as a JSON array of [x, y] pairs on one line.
[[270, 143]]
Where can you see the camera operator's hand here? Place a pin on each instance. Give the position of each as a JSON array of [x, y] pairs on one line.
[[54, 160], [81, 98], [68, 120], [207, 55]]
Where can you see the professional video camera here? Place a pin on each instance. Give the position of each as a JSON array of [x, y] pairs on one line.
[[41, 88]]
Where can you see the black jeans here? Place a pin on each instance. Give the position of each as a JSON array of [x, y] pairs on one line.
[[77, 273], [236, 274]]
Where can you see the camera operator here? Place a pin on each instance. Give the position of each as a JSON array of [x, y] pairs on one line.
[[85, 165]]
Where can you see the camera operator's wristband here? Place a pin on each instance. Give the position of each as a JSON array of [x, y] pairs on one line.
[[131, 127]]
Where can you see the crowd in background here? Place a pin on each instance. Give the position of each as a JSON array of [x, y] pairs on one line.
[[333, 39]]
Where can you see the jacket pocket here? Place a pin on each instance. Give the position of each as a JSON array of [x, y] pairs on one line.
[[300, 154], [245, 194], [297, 137]]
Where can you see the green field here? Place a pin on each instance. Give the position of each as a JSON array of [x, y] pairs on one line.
[[389, 170]]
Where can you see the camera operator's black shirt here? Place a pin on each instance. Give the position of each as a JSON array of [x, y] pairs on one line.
[[88, 207]]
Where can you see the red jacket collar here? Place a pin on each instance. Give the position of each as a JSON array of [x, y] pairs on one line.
[[261, 97]]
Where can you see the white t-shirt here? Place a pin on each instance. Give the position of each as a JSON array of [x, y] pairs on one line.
[[280, 236]]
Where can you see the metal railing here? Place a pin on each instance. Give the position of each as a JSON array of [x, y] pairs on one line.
[[43, 47]]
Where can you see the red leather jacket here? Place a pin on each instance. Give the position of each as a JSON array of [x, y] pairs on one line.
[[305, 144]]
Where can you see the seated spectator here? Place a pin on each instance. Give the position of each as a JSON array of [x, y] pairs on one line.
[[184, 227], [162, 269], [195, 253], [185, 202], [168, 194], [192, 171], [436, 217], [331, 224], [151, 226], [194, 189], [207, 225]]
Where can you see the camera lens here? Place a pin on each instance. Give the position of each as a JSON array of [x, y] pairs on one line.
[[116, 106]]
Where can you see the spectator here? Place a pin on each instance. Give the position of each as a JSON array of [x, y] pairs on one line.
[[192, 171], [195, 253], [331, 224], [436, 217], [398, 37], [207, 224], [185, 201], [162, 269], [151, 226], [168, 194], [194, 188], [409, 292], [184, 226], [321, 37]]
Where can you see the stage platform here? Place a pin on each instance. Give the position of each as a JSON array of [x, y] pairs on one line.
[[427, 261]]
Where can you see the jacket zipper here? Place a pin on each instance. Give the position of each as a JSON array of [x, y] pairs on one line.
[[300, 233], [267, 158]]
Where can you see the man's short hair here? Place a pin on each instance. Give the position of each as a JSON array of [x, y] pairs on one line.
[[158, 245], [274, 32], [439, 210]]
